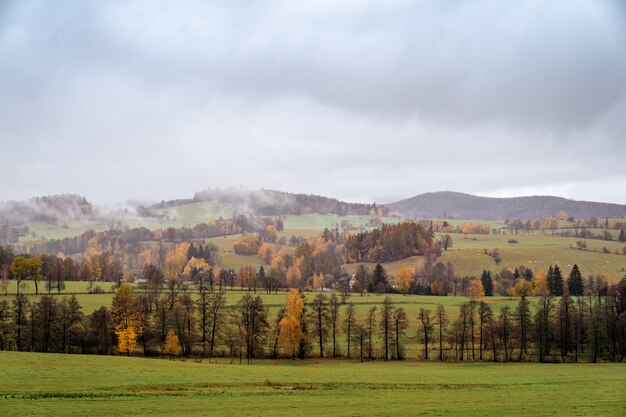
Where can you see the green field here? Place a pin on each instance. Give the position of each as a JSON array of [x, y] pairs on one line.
[[77, 385]]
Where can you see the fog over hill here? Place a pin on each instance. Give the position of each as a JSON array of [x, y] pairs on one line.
[[442, 204]]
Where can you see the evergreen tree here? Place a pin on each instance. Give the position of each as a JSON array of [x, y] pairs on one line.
[[487, 283], [555, 281], [379, 279], [191, 252], [622, 236], [528, 274], [550, 280], [575, 282]]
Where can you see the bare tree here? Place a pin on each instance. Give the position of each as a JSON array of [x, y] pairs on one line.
[[442, 323], [250, 318], [319, 316], [427, 330], [334, 320], [386, 313], [400, 324], [349, 325], [371, 319]]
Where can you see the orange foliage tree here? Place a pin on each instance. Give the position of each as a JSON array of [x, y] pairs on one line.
[[291, 326], [405, 279]]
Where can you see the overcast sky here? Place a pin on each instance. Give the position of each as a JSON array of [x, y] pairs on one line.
[[360, 100]]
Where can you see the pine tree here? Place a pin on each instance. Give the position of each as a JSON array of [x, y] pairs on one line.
[[555, 281], [487, 283], [622, 236], [191, 252], [575, 282], [550, 280], [379, 280]]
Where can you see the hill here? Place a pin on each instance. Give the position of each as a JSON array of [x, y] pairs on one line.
[[51, 209], [448, 204], [272, 203]]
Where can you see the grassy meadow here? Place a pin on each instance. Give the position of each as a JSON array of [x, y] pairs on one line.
[[77, 385]]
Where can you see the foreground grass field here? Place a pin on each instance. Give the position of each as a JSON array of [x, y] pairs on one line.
[[75, 385]]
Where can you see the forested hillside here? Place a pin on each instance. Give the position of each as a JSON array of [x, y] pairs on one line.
[[271, 202], [447, 204]]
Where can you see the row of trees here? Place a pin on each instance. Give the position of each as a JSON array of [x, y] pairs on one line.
[[565, 329]]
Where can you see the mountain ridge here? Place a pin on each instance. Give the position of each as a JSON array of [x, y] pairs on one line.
[[452, 204]]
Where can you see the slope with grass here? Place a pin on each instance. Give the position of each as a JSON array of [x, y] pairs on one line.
[[76, 385]]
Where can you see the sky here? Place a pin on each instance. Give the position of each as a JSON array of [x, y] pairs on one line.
[[360, 100]]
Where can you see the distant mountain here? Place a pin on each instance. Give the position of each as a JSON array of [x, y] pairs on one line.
[[448, 204], [271, 203]]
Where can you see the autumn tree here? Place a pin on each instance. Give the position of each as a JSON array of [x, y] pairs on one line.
[[291, 333], [126, 340], [475, 289], [171, 346], [24, 268], [523, 288], [405, 279], [318, 282], [540, 283], [127, 318], [294, 277]]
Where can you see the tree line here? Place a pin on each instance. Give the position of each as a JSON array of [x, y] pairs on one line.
[[202, 324]]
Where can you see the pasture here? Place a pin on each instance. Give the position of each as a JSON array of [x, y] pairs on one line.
[[77, 385]]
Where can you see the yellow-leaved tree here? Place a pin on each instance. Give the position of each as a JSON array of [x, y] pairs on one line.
[[171, 346], [126, 339], [293, 277], [523, 288], [318, 282], [404, 279], [127, 318], [291, 326], [540, 283], [476, 289]]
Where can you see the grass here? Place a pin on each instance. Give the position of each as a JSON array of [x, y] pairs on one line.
[[76, 385]]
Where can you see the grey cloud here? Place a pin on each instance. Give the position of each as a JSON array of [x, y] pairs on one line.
[[153, 99]]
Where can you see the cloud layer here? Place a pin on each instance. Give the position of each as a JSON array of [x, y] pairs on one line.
[[352, 99]]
